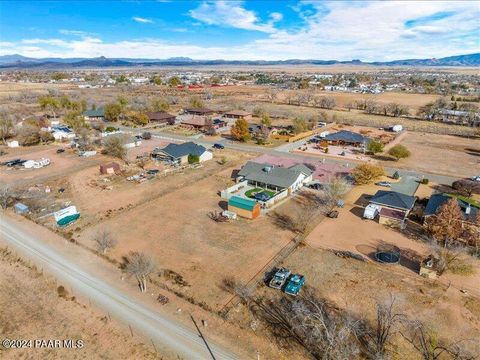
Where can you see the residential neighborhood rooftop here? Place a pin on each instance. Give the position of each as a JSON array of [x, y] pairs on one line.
[[393, 199], [273, 175]]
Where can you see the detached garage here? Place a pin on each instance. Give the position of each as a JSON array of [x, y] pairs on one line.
[[244, 207]]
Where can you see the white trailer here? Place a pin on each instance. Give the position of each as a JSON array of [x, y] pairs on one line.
[[371, 211]]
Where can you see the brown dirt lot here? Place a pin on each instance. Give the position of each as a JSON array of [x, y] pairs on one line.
[[32, 309], [60, 164], [356, 286], [442, 154], [176, 231]]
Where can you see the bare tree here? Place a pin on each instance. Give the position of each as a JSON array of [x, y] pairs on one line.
[[104, 241], [140, 266], [5, 196], [320, 328], [430, 347], [6, 126], [337, 189], [376, 340]]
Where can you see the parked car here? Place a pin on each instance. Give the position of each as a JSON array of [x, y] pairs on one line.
[[279, 278], [59, 151], [152, 171], [14, 162], [294, 284], [476, 178], [218, 146], [384, 183], [333, 214], [262, 196]]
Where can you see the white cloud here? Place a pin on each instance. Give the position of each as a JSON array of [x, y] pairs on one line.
[[142, 20], [333, 30], [232, 14]]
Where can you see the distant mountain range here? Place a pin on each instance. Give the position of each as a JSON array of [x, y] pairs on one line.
[[16, 61]]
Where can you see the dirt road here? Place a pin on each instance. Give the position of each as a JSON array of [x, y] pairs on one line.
[[173, 336]]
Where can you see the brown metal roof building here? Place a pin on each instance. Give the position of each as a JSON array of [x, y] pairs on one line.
[[161, 117], [199, 111]]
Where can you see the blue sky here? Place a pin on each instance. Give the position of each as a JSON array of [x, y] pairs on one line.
[[344, 30]]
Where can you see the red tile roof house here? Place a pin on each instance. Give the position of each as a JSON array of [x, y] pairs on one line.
[[323, 172]]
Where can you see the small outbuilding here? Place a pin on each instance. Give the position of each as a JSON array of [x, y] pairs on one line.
[[110, 168], [20, 208], [244, 207], [12, 144]]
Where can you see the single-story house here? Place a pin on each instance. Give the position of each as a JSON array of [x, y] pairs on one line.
[[195, 121], [199, 111], [273, 177], [178, 153], [161, 117], [237, 114], [92, 115], [393, 206], [437, 200], [345, 137], [322, 172], [62, 133], [246, 208], [110, 168]]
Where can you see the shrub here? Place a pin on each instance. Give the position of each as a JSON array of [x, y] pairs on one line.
[[146, 135], [115, 146], [424, 181], [399, 152], [396, 175], [29, 135], [193, 159], [46, 137], [375, 147]]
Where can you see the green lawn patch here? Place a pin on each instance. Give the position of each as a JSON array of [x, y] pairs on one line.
[[467, 200], [251, 193]]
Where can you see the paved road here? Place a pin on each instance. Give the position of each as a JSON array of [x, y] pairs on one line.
[[284, 151], [180, 339]]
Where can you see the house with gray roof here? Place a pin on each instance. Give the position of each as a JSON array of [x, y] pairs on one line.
[[178, 153], [469, 211], [393, 200], [94, 114], [345, 137], [273, 177]]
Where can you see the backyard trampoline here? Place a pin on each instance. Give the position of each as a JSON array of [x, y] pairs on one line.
[[387, 254]]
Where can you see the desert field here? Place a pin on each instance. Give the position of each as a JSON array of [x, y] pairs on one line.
[[34, 307], [442, 154], [176, 231]]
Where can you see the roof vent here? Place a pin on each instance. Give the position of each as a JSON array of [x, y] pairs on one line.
[[267, 169]]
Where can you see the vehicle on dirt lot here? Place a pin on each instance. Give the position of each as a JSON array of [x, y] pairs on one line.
[[59, 151], [218, 146], [294, 284], [371, 211], [14, 162], [333, 214], [384, 183], [476, 178], [279, 278]]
